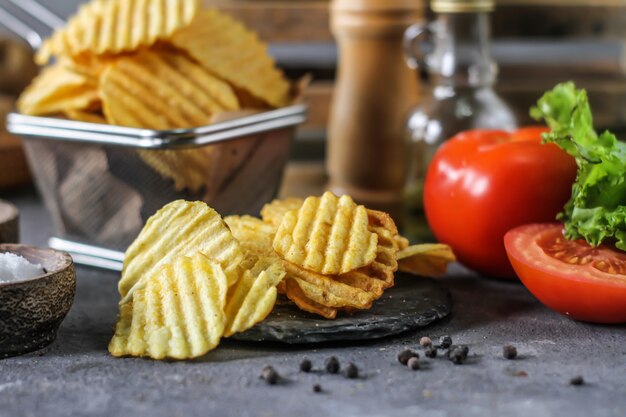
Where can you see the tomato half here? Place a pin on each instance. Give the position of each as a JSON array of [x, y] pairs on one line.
[[482, 183], [569, 276]]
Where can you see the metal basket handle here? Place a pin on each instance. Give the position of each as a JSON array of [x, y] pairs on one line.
[[29, 20]]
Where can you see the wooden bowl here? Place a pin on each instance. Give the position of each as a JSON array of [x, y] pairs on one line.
[[32, 310], [9, 223]]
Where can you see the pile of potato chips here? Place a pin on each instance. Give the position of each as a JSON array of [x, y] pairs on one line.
[[191, 277], [153, 64]]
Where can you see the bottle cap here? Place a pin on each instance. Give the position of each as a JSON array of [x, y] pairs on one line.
[[462, 6]]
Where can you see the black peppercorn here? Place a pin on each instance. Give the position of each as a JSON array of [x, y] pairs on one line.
[[577, 380], [317, 388], [425, 342], [413, 364], [457, 355], [405, 355], [509, 352], [352, 371], [431, 352], [270, 375], [332, 365], [445, 342], [306, 365]]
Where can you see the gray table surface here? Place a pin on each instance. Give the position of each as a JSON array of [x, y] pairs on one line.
[[76, 376]]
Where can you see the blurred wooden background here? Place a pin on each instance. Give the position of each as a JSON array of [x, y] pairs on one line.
[[537, 43]]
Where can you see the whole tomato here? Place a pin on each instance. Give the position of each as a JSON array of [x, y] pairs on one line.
[[483, 183]]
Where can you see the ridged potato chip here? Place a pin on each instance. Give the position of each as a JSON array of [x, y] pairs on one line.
[[295, 294], [190, 169], [253, 297], [56, 90], [163, 90], [327, 235], [115, 26], [229, 50], [429, 259], [254, 235], [179, 228], [85, 116], [179, 314], [376, 277], [273, 212]]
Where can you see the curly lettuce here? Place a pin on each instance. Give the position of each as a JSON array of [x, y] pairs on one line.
[[596, 211]]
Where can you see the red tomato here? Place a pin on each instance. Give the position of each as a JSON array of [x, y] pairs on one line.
[[569, 276], [482, 183]]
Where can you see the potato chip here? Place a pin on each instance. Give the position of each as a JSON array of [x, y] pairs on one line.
[[58, 89], [326, 290], [190, 169], [85, 116], [254, 235], [229, 50], [179, 314], [180, 228], [327, 235], [402, 242], [162, 91], [376, 277], [427, 259], [295, 294], [253, 297], [273, 212], [114, 26]]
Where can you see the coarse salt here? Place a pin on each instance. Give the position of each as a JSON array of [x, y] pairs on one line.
[[16, 268]]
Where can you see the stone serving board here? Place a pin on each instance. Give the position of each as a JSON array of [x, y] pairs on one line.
[[414, 302]]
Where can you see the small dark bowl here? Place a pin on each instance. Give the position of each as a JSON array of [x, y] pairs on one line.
[[32, 310]]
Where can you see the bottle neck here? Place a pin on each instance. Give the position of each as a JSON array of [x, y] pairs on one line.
[[462, 53]]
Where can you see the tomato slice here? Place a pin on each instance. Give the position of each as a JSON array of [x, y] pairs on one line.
[[569, 276]]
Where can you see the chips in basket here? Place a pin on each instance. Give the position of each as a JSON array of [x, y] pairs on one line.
[[179, 313], [180, 228], [327, 235], [115, 26]]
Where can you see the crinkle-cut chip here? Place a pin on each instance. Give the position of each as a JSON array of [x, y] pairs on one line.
[[56, 90], [88, 65], [295, 294], [253, 297], [85, 116], [327, 235], [180, 228], [402, 242], [164, 90], [190, 169], [376, 277], [273, 212], [232, 52], [325, 290], [253, 234], [430, 259], [114, 26], [179, 314]]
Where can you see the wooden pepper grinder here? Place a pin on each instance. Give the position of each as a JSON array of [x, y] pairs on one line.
[[367, 143]]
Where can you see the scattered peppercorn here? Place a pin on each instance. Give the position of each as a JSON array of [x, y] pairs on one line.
[[577, 380], [431, 352], [317, 388], [332, 365], [352, 371], [458, 354], [405, 355], [509, 352], [425, 342], [270, 375], [413, 364], [306, 365], [445, 342], [464, 349]]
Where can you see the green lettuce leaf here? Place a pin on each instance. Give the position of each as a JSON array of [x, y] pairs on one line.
[[596, 211]]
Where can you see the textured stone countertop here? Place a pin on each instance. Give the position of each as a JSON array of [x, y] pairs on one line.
[[76, 376]]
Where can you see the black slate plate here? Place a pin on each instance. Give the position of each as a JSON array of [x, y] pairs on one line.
[[414, 302]]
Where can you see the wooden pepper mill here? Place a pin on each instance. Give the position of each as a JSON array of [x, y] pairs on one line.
[[367, 143]]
